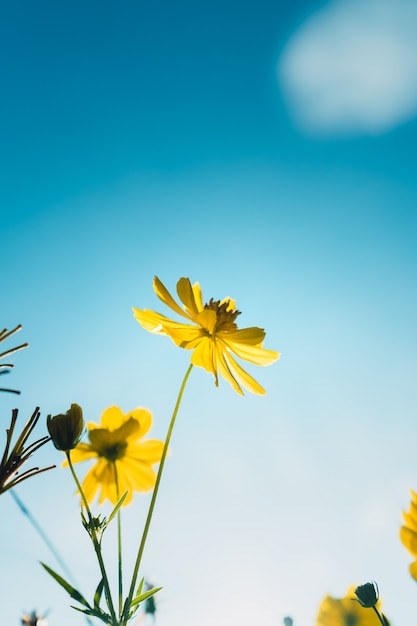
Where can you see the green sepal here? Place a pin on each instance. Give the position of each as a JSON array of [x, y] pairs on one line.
[[68, 588], [117, 507]]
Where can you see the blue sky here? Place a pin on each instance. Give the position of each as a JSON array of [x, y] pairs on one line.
[[267, 152]]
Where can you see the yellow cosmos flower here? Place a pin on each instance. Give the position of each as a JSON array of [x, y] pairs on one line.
[[124, 463], [408, 532], [346, 612], [213, 335]]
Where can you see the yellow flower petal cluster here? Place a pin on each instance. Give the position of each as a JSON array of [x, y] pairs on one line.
[[124, 462], [212, 335], [345, 612], [408, 532]]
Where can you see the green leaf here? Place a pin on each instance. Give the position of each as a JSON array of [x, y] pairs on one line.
[[99, 614], [97, 595], [139, 589], [69, 588], [141, 597], [117, 507], [125, 613]]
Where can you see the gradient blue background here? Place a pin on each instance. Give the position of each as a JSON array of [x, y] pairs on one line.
[[141, 139]]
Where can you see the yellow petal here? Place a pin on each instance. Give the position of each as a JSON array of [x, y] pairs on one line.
[[207, 319], [410, 521], [204, 356], [149, 451], [90, 483], [413, 569], [186, 295], [102, 438], [252, 354], [253, 336], [184, 335], [198, 296], [164, 295], [409, 539], [112, 418], [82, 452], [244, 378], [224, 371], [150, 320], [134, 475]]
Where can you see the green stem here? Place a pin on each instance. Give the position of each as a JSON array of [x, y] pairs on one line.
[[96, 542], [381, 617], [154, 496], [119, 545]]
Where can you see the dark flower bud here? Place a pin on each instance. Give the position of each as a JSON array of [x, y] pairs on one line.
[[367, 595], [66, 429]]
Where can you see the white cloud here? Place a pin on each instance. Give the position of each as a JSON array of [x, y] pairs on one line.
[[352, 67]]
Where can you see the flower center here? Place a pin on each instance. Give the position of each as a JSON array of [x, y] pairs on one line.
[[113, 452], [225, 318], [350, 619]]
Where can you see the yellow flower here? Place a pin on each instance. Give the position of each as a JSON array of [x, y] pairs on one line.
[[345, 611], [213, 335], [120, 455], [408, 533]]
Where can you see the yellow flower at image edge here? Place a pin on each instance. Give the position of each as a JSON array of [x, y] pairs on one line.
[[213, 335], [408, 532], [346, 611], [116, 445]]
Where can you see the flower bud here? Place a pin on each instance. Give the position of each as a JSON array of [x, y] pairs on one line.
[[367, 595], [66, 429]]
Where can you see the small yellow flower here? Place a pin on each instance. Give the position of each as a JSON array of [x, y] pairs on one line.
[[213, 335], [345, 612], [408, 532], [123, 462]]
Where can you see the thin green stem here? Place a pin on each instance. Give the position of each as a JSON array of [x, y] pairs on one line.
[[154, 496], [381, 617], [119, 545], [95, 541]]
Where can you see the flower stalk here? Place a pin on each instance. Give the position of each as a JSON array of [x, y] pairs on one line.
[[96, 543], [155, 491]]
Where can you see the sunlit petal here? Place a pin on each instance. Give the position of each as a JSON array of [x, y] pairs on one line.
[[164, 295], [134, 475], [204, 356], [186, 295], [150, 320], [184, 335], [112, 418], [252, 336], [244, 378], [224, 371], [207, 319], [82, 452], [149, 451], [252, 354]]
